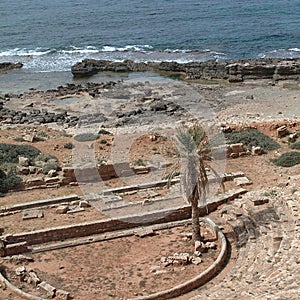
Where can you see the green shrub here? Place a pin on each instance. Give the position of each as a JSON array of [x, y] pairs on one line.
[[287, 159], [249, 137], [295, 146], [104, 132], [10, 153], [46, 157], [68, 146], [50, 166], [8, 181], [85, 137], [104, 142], [139, 162]]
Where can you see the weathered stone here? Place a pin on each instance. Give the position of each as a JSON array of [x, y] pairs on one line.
[[141, 169], [259, 201], [35, 182], [62, 209], [210, 245], [33, 169], [233, 71], [29, 138], [5, 66], [199, 246], [237, 148], [20, 271], [143, 232], [32, 214], [180, 259], [2, 248], [282, 131], [23, 161], [84, 204], [256, 151], [23, 170], [196, 260], [49, 289], [52, 173], [242, 181], [52, 180], [62, 295], [34, 278], [234, 155], [75, 210]]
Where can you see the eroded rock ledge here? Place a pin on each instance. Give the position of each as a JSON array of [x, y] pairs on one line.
[[5, 66], [233, 71]]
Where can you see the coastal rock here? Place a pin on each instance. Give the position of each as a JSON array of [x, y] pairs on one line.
[[233, 71], [5, 66]]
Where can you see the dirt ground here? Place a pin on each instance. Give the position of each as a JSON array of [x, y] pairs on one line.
[[120, 268]]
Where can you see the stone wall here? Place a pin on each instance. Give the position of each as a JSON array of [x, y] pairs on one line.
[[108, 225], [72, 175]]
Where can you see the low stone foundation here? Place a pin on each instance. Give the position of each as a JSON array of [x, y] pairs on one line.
[[109, 225]]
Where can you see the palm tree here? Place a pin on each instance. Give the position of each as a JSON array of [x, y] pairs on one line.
[[194, 180]]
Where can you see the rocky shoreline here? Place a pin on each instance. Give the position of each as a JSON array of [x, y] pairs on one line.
[[115, 104], [6, 66], [232, 71]]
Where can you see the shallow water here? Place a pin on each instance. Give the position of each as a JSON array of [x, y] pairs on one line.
[[19, 81]]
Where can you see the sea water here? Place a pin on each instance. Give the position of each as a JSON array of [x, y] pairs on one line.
[[52, 35]]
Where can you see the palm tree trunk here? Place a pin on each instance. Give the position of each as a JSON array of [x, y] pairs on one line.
[[195, 222]]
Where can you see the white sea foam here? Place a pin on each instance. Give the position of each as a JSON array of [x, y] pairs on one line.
[[136, 48], [281, 53], [26, 52], [53, 60], [74, 50]]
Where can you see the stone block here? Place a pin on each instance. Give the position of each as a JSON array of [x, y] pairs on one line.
[[62, 209], [29, 138], [237, 148], [23, 161], [196, 260], [20, 271], [144, 232], [282, 131], [49, 289], [34, 278], [52, 180], [32, 214], [242, 181], [84, 204], [52, 173], [259, 201], [32, 182], [62, 295], [75, 210], [234, 155], [256, 151], [141, 170], [199, 246], [65, 180], [23, 170]]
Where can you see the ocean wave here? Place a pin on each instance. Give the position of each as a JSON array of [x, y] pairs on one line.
[[134, 48], [51, 60], [282, 53], [26, 52], [55, 60], [78, 50]]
